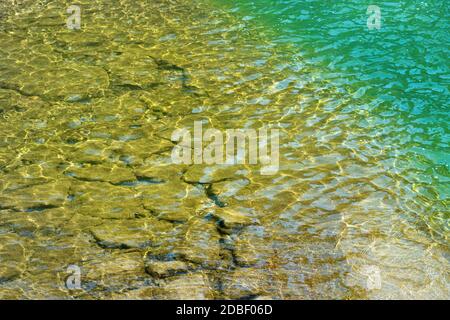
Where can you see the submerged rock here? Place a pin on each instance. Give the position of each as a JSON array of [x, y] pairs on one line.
[[92, 151], [211, 174], [11, 293], [173, 201], [160, 172], [163, 269], [113, 270], [229, 220], [11, 100], [101, 173], [143, 293], [230, 191], [12, 257], [135, 233], [193, 286], [133, 69], [140, 148], [34, 223], [88, 199], [56, 81], [197, 241], [201, 244], [35, 197], [247, 283], [250, 247], [170, 101]]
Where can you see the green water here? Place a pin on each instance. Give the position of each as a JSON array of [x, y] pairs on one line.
[[86, 176]]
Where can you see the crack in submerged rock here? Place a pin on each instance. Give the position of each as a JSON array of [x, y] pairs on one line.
[[197, 182], [214, 197], [41, 208], [38, 208], [166, 65]]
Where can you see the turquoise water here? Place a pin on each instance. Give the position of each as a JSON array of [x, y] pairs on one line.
[[399, 74]]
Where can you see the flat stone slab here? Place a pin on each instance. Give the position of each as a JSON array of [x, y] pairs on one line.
[[164, 269], [247, 283], [230, 220], [35, 197], [88, 199], [193, 286], [12, 257], [197, 241], [113, 270], [125, 234], [56, 81], [102, 173], [173, 201], [251, 247]]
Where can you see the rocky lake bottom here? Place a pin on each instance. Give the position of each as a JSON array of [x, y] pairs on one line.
[[86, 177]]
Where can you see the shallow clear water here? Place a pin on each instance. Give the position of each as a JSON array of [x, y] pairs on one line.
[[85, 135], [401, 71]]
